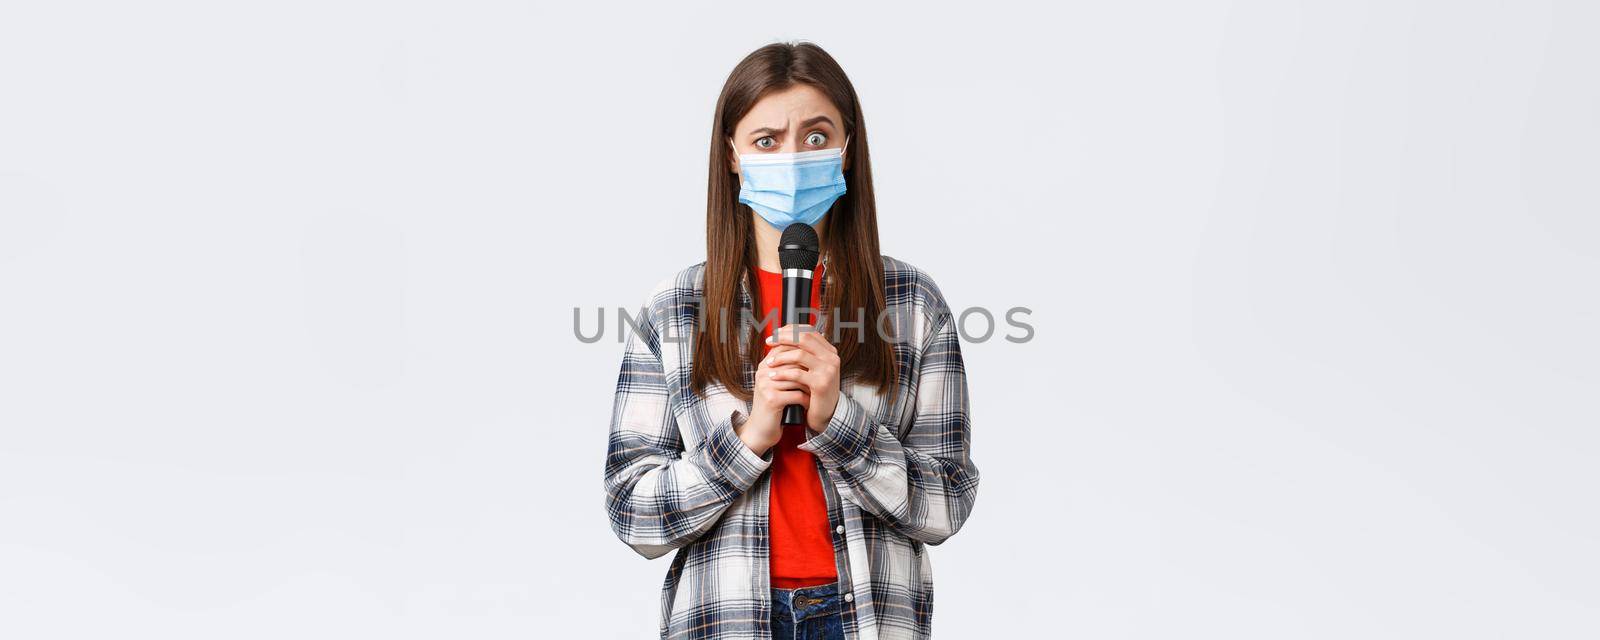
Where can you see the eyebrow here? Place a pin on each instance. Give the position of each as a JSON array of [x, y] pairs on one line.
[[808, 122]]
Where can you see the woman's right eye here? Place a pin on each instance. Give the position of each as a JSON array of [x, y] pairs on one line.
[[766, 143]]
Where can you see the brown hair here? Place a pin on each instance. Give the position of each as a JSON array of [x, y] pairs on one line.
[[855, 269]]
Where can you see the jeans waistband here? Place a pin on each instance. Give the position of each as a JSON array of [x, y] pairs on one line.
[[805, 602], [815, 591]]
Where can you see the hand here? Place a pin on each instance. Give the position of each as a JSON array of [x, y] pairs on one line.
[[764, 426], [802, 355]]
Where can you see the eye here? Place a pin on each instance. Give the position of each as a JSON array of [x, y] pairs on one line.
[[766, 143], [816, 139]]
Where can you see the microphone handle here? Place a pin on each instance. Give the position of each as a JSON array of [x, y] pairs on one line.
[[794, 414], [796, 296]]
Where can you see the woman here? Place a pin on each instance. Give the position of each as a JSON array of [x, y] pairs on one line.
[[798, 531]]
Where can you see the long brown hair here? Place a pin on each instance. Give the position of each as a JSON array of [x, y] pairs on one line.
[[854, 270]]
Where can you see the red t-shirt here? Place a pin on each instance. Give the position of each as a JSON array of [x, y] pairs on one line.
[[800, 538]]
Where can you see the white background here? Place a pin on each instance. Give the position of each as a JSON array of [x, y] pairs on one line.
[[286, 292]]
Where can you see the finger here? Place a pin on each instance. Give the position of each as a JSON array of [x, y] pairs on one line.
[[792, 356], [780, 398], [818, 345], [811, 341], [784, 384], [780, 349], [789, 373], [808, 356], [790, 334], [812, 380]]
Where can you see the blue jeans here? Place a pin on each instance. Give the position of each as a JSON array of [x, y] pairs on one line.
[[808, 613]]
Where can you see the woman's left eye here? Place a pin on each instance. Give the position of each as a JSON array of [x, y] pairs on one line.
[[816, 139]]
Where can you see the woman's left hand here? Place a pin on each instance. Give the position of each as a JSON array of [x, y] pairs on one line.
[[803, 355]]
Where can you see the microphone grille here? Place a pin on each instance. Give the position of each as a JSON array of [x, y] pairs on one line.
[[798, 248]]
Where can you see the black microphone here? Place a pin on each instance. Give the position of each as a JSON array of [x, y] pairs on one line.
[[797, 254]]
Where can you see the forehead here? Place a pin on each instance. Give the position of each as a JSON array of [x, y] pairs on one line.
[[781, 109]]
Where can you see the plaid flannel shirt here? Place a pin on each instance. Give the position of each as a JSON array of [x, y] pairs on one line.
[[896, 476]]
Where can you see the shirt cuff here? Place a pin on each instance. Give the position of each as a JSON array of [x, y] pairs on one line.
[[846, 439], [738, 463]]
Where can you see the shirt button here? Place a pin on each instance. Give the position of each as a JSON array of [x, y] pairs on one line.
[[839, 529], [849, 596]]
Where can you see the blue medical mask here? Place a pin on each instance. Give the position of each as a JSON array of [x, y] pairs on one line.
[[785, 188]]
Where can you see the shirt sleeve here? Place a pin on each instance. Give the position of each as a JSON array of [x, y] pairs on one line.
[[660, 497], [925, 484]]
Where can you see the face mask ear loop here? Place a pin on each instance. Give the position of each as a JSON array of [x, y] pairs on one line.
[[736, 155]]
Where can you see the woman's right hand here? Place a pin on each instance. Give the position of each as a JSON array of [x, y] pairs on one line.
[[764, 427]]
